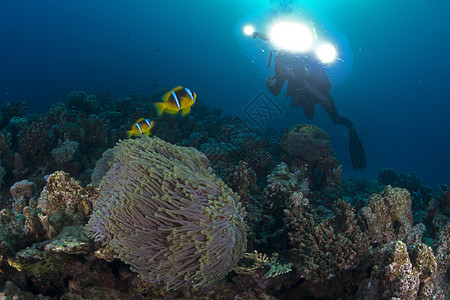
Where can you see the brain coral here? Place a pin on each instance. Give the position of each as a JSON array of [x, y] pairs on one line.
[[163, 212]]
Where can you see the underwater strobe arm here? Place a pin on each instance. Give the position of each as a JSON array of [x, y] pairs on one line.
[[270, 58], [259, 35], [264, 37]]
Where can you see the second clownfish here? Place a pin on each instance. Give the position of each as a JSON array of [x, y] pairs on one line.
[[142, 126]]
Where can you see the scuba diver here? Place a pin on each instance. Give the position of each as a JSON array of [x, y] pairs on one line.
[[308, 85]]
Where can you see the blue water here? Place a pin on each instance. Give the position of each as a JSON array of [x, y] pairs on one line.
[[392, 83]]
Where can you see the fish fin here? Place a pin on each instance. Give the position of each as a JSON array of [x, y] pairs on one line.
[[160, 107], [129, 133], [171, 111], [185, 111], [166, 96], [147, 132]]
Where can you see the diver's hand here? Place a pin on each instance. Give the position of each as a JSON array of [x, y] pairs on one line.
[[270, 81]]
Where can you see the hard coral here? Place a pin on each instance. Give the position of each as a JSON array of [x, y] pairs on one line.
[[324, 249], [388, 215], [22, 192], [65, 152], [409, 181], [281, 183], [241, 179], [308, 148], [308, 143], [442, 251], [34, 141], [10, 110], [163, 212], [402, 272], [63, 200]]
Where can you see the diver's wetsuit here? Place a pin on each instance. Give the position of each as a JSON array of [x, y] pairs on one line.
[[308, 85]]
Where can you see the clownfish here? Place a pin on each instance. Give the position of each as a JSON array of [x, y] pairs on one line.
[[142, 126], [178, 98], [307, 126]]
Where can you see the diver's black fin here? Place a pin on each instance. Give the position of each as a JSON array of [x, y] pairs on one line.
[[357, 153]]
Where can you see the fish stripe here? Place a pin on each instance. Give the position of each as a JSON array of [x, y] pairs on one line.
[[176, 99], [148, 122], [139, 127], [190, 94]]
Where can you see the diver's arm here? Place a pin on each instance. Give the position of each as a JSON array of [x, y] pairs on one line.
[[260, 35], [275, 84]]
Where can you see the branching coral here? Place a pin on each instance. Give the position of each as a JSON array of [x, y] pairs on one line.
[[242, 180], [261, 260], [324, 248], [163, 212]]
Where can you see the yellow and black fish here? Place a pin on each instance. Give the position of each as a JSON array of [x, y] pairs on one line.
[[178, 98], [142, 126]]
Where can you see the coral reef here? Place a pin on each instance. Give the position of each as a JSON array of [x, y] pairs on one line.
[[237, 141], [308, 148], [306, 143], [66, 152], [63, 201], [163, 212], [242, 180], [33, 142], [81, 101], [11, 291], [23, 193], [173, 230], [10, 110], [281, 183], [409, 181], [261, 260], [324, 249], [269, 234], [441, 249], [402, 272], [388, 215]]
